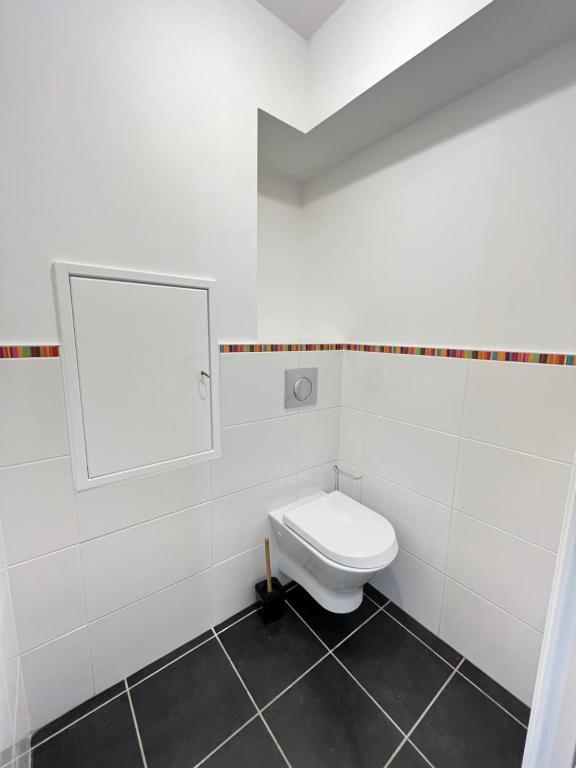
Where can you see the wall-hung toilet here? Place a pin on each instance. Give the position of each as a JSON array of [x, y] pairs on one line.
[[332, 545]]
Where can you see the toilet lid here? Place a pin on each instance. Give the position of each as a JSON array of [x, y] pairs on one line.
[[344, 530]]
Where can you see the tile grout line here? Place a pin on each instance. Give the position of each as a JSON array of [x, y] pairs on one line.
[[169, 663], [229, 626], [226, 740], [144, 761], [410, 632], [503, 708]]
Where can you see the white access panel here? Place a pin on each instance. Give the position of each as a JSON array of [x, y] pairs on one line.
[[141, 388]]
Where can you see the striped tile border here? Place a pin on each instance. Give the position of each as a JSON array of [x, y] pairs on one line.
[[543, 358], [20, 351]]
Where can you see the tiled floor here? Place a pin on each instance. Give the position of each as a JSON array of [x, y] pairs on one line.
[[371, 689]]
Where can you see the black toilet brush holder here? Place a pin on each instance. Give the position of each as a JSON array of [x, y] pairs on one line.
[[270, 592]]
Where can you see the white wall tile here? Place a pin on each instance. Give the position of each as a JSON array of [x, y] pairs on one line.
[[255, 453], [133, 637], [240, 520], [422, 525], [8, 703], [252, 385], [507, 571], [22, 728], [57, 677], [38, 513], [522, 494], [48, 597], [351, 436], [31, 411], [234, 580], [503, 647], [415, 587], [528, 407], [315, 480], [128, 565], [419, 459], [427, 391], [318, 437], [356, 368], [119, 505], [8, 638], [329, 366]]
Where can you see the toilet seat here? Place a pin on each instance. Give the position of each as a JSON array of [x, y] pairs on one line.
[[343, 530]]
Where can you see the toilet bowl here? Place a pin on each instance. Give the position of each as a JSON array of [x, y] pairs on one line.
[[332, 545]]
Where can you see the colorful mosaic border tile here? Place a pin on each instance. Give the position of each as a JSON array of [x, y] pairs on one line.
[[543, 358], [21, 351]]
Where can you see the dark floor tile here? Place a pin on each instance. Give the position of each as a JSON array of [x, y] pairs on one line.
[[327, 721], [442, 649], [408, 757], [375, 594], [237, 616], [107, 737], [496, 691], [271, 656], [187, 709], [401, 673], [253, 746], [464, 728], [75, 714], [331, 627], [169, 658]]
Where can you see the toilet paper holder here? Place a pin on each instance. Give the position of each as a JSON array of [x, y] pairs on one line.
[[338, 472]]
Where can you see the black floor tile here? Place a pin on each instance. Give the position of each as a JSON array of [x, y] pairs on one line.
[[401, 673], [169, 657], [75, 714], [408, 757], [497, 692], [331, 627], [442, 649], [187, 709], [107, 737], [252, 747], [464, 728], [237, 616], [271, 656], [327, 721], [375, 594]]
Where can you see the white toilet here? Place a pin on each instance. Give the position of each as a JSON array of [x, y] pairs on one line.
[[332, 545]]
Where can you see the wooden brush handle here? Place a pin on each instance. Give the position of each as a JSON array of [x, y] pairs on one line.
[[268, 570]]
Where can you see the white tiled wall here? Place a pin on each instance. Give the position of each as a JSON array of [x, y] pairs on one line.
[[469, 460], [107, 580]]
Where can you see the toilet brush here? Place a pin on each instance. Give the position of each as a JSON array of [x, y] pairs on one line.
[[270, 591]]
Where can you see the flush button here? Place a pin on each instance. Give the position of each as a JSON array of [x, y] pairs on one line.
[[301, 387]]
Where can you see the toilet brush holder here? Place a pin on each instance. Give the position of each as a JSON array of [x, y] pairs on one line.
[[272, 602]]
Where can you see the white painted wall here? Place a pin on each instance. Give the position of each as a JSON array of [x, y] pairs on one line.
[[129, 139], [366, 40], [458, 231]]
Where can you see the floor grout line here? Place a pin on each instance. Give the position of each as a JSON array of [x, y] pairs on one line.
[[275, 740], [229, 626], [226, 740], [144, 761], [422, 755], [293, 683], [169, 663], [410, 632], [503, 708], [435, 698]]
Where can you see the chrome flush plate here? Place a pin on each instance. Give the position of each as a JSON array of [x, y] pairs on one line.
[[300, 387]]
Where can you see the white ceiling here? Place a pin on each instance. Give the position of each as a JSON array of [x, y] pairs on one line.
[[304, 16]]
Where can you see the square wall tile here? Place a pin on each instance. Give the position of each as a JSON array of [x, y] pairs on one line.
[[8, 638], [422, 526], [329, 366], [428, 391], [503, 647], [127, 640], [509, 572], [255, 453], [419, 459], [57, 677], [252, 386], [240, 520], [414, 587], [318, 437], [37, 508], [31, 411], [530, 408], [351, 436], [128, 565], [48, 597], [112, 507], [234, 580], [522, 494], [315, 480], [356, 368], [8, 703]]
